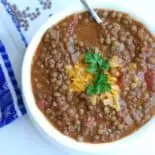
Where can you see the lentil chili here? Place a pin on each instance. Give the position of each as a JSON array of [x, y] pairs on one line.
[[129, 48]]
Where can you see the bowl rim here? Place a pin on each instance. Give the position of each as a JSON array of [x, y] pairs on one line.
[[31, 106]]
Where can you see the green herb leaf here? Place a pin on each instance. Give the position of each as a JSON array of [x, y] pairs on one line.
[[107, 87], [100, 78], [99, 89], [103, 88], [92, 68], [97, 57], [103, 64], [97, 65], [89, 58], [91, 90]]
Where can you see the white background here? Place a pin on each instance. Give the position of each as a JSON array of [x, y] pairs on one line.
[[20, 138]]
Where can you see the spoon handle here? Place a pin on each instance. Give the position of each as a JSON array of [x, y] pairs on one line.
[[92, 12]]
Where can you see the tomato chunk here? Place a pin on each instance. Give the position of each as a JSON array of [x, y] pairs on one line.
[[120, 81], [41, 105], [150, 79]]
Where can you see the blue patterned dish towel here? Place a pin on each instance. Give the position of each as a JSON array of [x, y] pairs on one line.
[[11, 103]]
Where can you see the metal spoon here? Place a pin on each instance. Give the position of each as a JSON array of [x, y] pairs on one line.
[[92, 12]]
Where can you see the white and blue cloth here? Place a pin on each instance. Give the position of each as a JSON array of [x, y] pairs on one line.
[[11, 103]]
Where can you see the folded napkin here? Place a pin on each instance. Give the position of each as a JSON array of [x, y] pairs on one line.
[[19, 22]]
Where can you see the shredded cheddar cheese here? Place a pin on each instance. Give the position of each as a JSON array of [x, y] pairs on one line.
[[111, 78], [115, 62], [115, 92], [116, 98], [80, 78], [94, 99], [112, 98]]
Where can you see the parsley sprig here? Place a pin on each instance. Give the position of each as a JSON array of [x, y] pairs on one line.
[[97, 65]]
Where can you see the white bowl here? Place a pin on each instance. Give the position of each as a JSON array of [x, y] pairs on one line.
[[38, 118]]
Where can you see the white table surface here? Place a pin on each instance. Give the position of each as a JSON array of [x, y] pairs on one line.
[[21, 138]]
